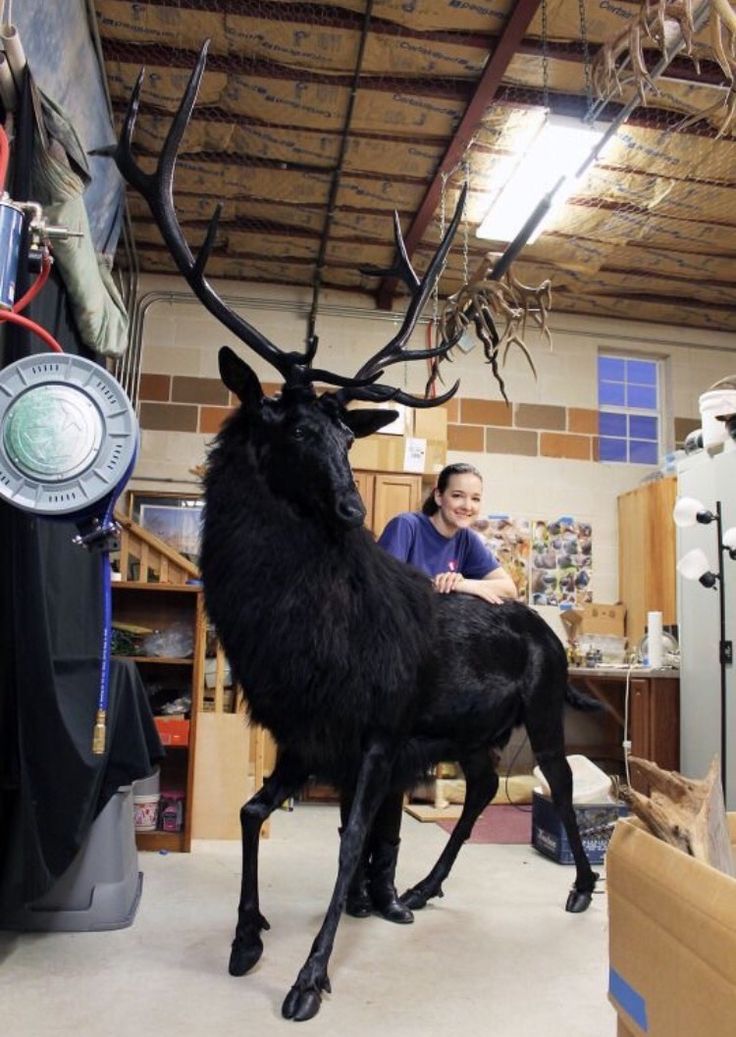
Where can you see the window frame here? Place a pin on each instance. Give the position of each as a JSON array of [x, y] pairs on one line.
[[628, 412]]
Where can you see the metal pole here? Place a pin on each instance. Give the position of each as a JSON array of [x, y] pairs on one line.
[[725, 646]]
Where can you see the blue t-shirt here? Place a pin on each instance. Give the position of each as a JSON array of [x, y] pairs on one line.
[[411, 537]]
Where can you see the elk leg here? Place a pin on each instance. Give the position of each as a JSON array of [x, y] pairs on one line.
[[557, 772], [481, 785], [288, 776], [303, 1000]]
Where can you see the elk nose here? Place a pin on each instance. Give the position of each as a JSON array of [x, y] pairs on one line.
[[350, 512]]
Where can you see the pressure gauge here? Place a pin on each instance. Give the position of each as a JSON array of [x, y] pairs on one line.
[[68, 434]]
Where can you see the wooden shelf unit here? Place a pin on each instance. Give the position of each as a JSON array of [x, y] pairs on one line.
[[159, 597]]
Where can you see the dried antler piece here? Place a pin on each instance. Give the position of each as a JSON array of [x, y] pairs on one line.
[[661, 21], [481, 303]]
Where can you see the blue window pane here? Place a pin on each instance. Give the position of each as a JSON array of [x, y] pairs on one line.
[[611, 368], [641, 396], [641, 372], [612, 449], [611, 393], [642, 428], [641, 452], [611, 424]]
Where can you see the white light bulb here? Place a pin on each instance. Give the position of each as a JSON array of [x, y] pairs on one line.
[[686, 511], [692, 565], [729, 538]]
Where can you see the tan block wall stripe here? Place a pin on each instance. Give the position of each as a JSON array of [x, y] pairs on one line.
[[511, 441], [453, 410], [555, 444], [198, 390], [211, 418], [168, 417], [155, 387], [484, 412], [580, 419], [540, 416], [465, 437]]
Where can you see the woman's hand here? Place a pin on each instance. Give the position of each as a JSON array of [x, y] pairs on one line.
[[445, 583]]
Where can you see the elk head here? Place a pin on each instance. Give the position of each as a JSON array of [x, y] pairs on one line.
[[297, 437]]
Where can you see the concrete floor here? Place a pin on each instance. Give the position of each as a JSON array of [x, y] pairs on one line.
[[498, 955]]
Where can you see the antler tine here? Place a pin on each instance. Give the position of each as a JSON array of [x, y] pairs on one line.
[[157, 189], [386, 394], [421, 292]]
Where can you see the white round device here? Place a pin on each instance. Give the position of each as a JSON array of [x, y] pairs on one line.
[[68, 434]]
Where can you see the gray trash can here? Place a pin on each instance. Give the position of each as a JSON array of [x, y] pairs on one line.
[[102, 886]]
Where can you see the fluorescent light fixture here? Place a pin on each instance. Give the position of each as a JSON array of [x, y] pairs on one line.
[[554, 158]]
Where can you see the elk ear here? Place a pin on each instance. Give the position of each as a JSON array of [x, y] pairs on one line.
[[239, 378], [365, 422]]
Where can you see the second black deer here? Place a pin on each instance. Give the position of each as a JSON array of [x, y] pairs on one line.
[[363, 675]]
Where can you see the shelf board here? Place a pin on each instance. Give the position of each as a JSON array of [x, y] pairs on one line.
[[173, 841], [169, 660], [181, 588]]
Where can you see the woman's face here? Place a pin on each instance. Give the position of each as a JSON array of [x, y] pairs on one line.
[[459, 503]]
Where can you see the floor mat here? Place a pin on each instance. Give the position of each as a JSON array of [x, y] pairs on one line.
[[499, 824]]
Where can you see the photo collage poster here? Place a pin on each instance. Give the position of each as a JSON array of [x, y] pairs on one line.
[[550, 561]]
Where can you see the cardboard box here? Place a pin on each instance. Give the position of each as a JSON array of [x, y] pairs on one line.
[[672, 936], [604, 619], [595, 821], [381, 453], [430, 423]]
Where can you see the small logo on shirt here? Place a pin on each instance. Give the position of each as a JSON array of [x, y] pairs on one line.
[[452, 566]]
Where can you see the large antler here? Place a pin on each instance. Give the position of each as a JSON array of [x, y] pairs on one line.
[[296, 369], [394, 352], [157, 189]]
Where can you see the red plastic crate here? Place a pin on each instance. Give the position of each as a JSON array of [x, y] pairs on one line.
[[173, 730]]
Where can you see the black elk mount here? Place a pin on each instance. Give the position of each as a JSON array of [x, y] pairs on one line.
[[364, 675]]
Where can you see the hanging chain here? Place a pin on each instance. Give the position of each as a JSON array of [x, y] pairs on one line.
[[466, 226], [545, 58], [443, 220], [586, 61]]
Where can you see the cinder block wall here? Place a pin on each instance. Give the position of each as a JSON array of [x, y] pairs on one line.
[[538, 454]]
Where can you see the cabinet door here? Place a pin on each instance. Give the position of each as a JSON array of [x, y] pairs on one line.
[[365, 481], [393, 494]]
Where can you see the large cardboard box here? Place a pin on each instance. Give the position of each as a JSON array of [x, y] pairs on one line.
[[672, 933], [599, 618]]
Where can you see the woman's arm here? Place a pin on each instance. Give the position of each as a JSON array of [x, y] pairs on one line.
[[495, 587]]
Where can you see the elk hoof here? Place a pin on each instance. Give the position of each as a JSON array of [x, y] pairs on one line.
[[416, 898], [302, 1003], [243, 956], [577, 901]]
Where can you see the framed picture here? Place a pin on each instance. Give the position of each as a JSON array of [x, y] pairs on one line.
[[175, 519]]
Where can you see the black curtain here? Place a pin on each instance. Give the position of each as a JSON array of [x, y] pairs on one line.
[[51, 624]]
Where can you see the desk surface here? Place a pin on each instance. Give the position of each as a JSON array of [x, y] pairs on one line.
[[622, 671]]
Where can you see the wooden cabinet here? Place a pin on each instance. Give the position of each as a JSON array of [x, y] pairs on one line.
[[386, 494], [166, 607], [653, 719], [646, 555]]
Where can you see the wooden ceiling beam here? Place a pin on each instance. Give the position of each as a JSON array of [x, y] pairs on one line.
[[508, 43]]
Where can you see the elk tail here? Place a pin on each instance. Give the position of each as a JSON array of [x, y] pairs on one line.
[[585, 703]]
